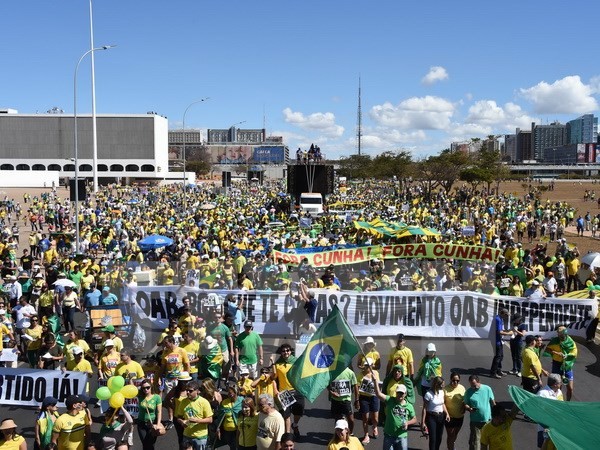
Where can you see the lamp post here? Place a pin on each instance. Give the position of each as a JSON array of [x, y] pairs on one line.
[[104, 47], [94, 129], [183, 151]]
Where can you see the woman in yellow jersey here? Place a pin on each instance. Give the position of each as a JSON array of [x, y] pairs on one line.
[[247, 425]]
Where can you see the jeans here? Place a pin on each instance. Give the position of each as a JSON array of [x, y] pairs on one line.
[[515, 352], [195, 444], [147, 438], [497, 361], [435, 425], [395, 443]]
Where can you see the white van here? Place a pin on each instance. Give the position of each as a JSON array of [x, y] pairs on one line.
[[311, 202]]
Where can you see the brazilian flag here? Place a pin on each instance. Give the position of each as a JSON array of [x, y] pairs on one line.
[[327, 354], [209, 281]]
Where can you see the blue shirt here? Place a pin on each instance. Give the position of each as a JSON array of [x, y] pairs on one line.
[[480, 399], [110, 299], [499, 327], [92, 298]]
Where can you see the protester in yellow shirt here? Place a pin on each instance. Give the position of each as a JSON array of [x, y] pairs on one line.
[[496, 434], [128, 368], [197, 415], [72, 429]]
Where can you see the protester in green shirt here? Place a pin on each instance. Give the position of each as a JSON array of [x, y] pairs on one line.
[[399, 415], [149, 416]]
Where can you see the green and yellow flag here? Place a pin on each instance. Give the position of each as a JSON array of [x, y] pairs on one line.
[[328, 353]]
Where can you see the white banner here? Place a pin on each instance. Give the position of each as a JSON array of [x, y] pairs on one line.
[[28, 387], [377, 313]]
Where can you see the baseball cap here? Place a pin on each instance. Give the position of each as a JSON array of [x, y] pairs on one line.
[[106, 289], [341, 424], [369, 340], [401, 337], [72, 400], [77, 350], [109, 343], [401, 388], [431, 347], [535, 283], [109, 328], [244, 371], [248, 324], [49, 401]]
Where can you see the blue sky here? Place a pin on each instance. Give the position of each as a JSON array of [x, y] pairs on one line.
[[432, 72]]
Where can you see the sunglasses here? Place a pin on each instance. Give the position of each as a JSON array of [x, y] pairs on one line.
[[146, 387], [455, 381], [190, 390]]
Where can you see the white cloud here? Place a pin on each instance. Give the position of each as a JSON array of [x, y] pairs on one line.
[[595, 84], [491, 118], [566, 96], [321, 122], [435, 74], [416, 113]]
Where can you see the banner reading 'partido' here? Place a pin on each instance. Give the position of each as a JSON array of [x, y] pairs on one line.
[[377, 313], [28, 387], [358, 255]]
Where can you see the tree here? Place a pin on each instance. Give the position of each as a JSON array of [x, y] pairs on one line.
[[355, 166]]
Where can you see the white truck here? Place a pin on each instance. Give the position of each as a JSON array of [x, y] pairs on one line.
[[311, 202]]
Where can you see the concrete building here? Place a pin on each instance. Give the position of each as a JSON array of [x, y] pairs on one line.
[[130, 146], [545, 136], [523, 146]]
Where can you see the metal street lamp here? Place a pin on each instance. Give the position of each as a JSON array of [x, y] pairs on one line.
[[104, 47], [183, 152]]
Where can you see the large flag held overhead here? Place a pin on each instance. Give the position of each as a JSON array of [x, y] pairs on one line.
[[327, 354], [571, 425]]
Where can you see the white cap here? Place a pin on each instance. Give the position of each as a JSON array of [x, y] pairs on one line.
[[369, 340], [401, 388], [431, 347], [77, 350], [341, 424], [109, 342]]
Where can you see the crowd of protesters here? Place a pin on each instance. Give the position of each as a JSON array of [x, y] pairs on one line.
[[214, 366]]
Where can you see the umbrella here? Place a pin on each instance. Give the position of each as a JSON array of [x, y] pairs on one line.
[[154, 241], [64, 282], [591, 259], [206, 206]]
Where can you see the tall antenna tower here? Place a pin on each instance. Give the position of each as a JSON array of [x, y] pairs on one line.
[[359, 121]]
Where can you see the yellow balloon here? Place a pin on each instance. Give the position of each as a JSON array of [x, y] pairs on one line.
[[116, 400], [129, 391]]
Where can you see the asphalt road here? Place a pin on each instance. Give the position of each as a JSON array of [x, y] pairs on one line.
[[463, 355]]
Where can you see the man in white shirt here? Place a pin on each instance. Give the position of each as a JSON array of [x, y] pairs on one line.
[[23, 311], [550, 285]]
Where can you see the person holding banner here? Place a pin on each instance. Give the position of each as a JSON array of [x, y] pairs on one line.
[[10, 439], [499, 332]]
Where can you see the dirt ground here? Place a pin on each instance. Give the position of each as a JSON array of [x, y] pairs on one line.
[[571, 192]]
